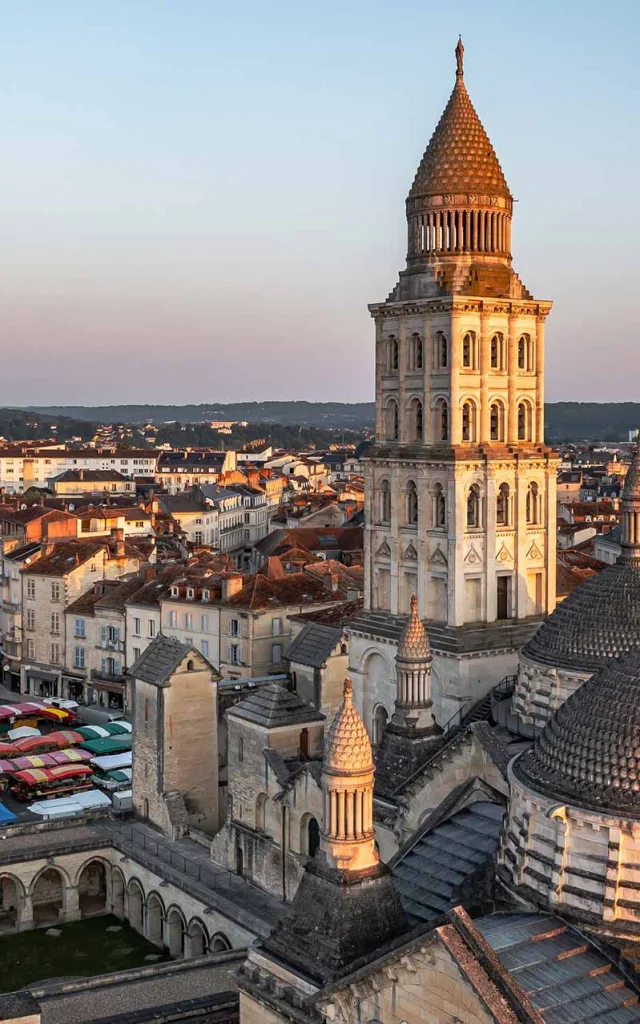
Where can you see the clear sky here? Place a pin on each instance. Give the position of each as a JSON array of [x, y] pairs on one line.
[[200, 197]]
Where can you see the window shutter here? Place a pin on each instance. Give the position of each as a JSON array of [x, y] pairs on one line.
[[104, 636]]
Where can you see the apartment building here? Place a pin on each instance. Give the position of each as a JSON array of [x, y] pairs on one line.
[[244, 624], [75, 483], [22, 466], [58, 577], [177, 471], [95, 653]]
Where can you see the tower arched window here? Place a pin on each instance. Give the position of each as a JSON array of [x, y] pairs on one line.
[[496, 352], [533, 504], [496, 421], [468, 350], [385, 502], [394, 353], [468, 421], [439, 507], [441, 431], [416, 352], [502, 505], [393, 422], [441, 351], [415, 419], [411, 504], [473, 507], [524, 421], [525, 353]]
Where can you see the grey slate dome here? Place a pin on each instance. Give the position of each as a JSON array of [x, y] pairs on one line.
[[599, 621], [589, 753]]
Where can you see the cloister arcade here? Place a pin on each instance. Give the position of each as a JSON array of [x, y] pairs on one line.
[[56, 894]]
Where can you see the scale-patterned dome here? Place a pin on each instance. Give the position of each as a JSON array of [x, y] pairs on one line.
[[414, 642], [589, 753], [460, 157], [599, 621], [348, 749]]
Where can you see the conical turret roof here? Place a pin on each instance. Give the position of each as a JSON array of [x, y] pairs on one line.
[[589, 753], [414, 642], [460, 157], [348, 748]]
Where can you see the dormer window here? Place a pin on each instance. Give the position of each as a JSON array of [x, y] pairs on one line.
[[205, 595], [190, 593], [175, 592]]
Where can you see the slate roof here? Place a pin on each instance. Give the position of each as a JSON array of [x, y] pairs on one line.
[[431, 875], [180, 503], [313, 645], [273, 706], [599, 621], [568, 980], [589, 752], [161, 658]]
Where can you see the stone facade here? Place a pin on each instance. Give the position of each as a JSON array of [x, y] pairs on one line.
[[274, 801], [175, 755], [581, 863]]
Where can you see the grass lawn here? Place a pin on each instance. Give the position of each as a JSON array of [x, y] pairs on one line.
[[83, 949]]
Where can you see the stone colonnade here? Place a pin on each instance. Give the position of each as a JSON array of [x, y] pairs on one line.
[[56, 894]]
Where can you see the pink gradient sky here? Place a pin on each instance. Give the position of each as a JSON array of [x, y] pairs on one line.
[[200, 199]]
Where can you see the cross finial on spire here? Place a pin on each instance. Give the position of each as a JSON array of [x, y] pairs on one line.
[[348, 689], [459, 58]]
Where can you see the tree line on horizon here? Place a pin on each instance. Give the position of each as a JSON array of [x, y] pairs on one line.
[[286, 424]]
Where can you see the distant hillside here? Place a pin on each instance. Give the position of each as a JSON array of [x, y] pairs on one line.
[[565, 421], [598, 421], [330, 415], [18, 425]]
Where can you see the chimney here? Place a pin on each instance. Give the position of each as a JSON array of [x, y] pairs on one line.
[[149, 573], [231, 585], [332, 582], [117, 542], [47, 549]]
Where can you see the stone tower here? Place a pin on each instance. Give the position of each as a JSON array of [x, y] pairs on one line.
[[460, 488], [346, 905], [412, 734]]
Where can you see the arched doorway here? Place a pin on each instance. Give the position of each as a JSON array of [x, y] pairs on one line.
[[380, 719], [9, 897], [175, 932], [155, 919], [197, 936], [219, 943], [135, 905], [117, 892], [92, 889], [48, 897], [313, 837]]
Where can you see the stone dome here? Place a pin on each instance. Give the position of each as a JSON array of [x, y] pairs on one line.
[[459, 157], [348, 749], [589, 753], [599, 621], [414, 642]]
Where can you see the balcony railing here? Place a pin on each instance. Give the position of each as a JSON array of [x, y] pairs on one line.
[[106, 676]]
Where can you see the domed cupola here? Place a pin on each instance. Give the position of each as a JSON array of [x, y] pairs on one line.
[[459, 201], [347, 839], [600, 620], [589, 753]]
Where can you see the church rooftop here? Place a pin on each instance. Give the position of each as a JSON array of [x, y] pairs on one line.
[[589, 753]]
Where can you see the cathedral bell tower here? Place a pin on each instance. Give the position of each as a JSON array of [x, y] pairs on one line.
[[460, 488]]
